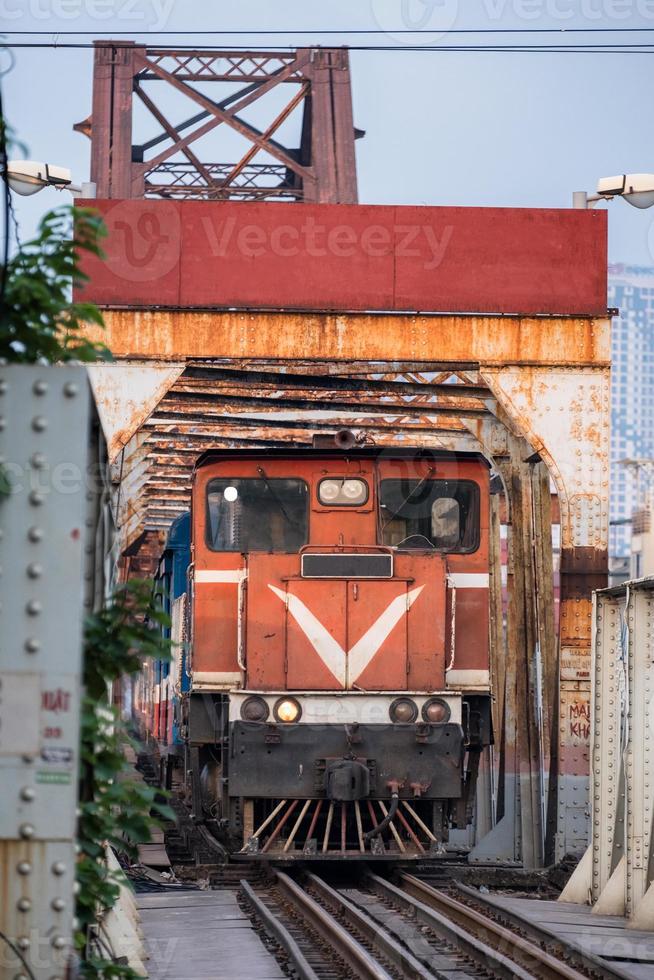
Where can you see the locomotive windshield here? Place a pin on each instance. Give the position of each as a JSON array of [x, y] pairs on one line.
[[257, 514], [439, 514]]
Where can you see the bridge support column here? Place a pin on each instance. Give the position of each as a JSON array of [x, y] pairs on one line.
[[563, 412], [524, 669]]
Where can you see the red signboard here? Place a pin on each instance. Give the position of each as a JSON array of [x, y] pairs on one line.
[[221, 255]]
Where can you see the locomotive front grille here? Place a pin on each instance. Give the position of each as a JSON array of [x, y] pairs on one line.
[[336, 565]]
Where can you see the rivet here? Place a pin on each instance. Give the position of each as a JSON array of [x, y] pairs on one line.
[[28, 759], [58, 868], [58, 942], [23, 905], [33, 607], [34, 569], [40, 387], [36, 498], [35, 534], [58, 904], [23, 942], [70, 389], [27, 793], [39, 423], [32, 645], [3, 424], [24, 868], [27, 830], [3, 387]]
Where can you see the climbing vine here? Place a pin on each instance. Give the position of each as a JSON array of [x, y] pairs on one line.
[[114, 809]]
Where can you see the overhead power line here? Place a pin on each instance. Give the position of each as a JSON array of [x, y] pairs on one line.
[[344, 32], [609, 48]]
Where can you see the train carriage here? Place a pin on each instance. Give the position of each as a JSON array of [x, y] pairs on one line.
[[336, 696]]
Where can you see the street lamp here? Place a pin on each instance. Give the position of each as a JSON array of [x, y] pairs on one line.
[[27, 177], [636, 189]]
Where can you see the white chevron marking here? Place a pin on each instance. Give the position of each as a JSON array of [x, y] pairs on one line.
[[331, 653]]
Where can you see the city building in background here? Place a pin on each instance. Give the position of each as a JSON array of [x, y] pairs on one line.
[[631, 291]]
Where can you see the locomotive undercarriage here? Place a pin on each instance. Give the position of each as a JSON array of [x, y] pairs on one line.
[[305, 791]]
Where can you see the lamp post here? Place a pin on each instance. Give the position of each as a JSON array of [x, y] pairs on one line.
[[27, 177], [636, 189]]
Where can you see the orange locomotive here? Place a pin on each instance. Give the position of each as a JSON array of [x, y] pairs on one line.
[[338, 648]]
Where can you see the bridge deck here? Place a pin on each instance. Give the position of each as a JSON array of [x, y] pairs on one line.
[[202, 935], [605, 936]]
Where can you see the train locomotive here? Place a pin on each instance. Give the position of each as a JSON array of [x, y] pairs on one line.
[[329, 692]]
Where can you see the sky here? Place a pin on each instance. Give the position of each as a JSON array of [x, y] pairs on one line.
[[442, 128]]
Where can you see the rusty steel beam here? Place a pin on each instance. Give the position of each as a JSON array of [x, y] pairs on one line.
[[220, 423], [198, 442], [490, 340], [199, 405], [386, 370], [331, 383]]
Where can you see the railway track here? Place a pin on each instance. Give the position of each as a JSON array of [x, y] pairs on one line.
[[377, 930]]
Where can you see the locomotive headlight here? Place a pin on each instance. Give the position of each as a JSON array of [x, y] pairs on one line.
[[354, 491], [329, 491], [287, 710], [403, 710], [254, 709], [436, 710]]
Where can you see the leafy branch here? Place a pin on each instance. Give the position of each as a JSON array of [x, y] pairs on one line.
[[39, 321]]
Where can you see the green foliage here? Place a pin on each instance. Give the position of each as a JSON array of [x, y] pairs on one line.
[[39, 321], [114, 808]]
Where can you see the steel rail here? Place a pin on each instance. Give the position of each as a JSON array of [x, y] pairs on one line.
[[346, 946], [279, 933], [453, 933], [542, 933], [520, 950], [407, 964]]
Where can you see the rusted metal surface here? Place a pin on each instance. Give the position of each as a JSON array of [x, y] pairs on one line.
[[226, 255], [325, 337], [203, 406], [126, 394], [564, 413], [185, 159]]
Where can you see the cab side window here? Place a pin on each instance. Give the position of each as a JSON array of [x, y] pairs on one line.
[[442, 515]]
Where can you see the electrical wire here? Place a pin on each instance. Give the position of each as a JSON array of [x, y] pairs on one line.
[[15, 949], [345, 32], [592, 48]]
